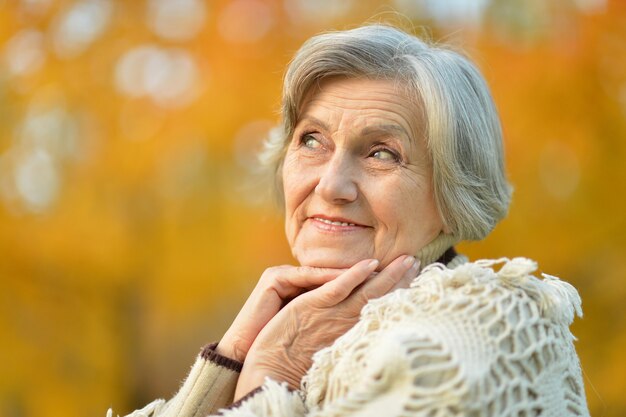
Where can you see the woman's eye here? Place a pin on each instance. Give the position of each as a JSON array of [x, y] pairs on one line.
[[310, 142], [385, 155]]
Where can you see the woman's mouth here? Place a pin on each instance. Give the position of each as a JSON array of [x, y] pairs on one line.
[[335, 224]]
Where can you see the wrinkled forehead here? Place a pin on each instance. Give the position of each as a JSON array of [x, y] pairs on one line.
[[363, 103], [400, 86]]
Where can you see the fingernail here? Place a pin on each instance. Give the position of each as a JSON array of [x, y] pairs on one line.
[[416, 265], [409, 261], [373, 264]]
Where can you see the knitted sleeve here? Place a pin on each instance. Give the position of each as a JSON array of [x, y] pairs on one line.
[[209, 386], [272, 399]]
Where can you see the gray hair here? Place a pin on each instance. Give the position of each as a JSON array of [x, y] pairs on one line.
[[463, 129]]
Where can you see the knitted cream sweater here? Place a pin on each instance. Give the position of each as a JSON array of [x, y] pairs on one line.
[[470, 340]]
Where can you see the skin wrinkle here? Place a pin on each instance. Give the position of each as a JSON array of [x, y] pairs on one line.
[[339, 177], [302, 327], [293, 363]]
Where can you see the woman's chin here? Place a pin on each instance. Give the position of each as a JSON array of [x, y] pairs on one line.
[[329, 259]]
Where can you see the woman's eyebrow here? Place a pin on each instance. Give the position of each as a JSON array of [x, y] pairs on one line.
[[387, 129], [314, 121], [391, 129]]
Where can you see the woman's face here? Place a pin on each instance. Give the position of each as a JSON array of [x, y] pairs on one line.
[[357, 176]]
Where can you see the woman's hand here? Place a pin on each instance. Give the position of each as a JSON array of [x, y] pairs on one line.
[[284, 347], [276, 287]]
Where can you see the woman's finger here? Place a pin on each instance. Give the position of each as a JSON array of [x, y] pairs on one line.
[[290, 281], [409, 276], [390, 277], [339, 289]]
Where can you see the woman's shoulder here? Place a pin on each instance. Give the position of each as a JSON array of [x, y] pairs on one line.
[[479, 334], [481, 292], [461, 284]]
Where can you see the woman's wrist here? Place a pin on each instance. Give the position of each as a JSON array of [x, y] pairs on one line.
[[253, 377], [210, 354], [230, 350]]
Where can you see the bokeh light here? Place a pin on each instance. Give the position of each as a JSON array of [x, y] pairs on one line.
[[176, 20], [36, 179], [76, 27], [168, 76], [303, 11], [25, 52], [446, 12]]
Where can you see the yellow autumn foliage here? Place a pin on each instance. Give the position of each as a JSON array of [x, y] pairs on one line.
[[131, 228]]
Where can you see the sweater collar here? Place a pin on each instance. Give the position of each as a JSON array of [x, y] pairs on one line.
[[448, 256], [437, 250]]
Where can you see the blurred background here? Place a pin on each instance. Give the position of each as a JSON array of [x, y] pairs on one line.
[[130, 233]]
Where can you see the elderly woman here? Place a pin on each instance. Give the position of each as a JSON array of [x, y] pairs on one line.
[[389, 153]]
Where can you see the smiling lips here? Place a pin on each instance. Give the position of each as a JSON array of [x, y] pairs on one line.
[[335, 224]]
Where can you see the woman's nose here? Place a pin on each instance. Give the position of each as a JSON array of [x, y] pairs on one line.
[[337, 181]]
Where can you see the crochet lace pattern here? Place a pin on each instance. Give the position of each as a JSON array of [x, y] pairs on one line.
[[469, 341]]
